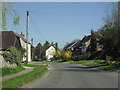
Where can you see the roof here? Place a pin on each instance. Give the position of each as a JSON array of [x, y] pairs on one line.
[[86, 38], [72, 44], [9, 37]]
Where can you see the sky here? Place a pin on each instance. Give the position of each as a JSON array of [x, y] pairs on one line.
[[60, 22]]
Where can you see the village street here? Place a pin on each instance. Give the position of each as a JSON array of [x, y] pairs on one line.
[[64, 75]]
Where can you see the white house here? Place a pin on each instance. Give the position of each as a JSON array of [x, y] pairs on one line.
[[23, 45], [50, 52]]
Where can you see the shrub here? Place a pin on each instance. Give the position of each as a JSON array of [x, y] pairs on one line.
[[12, 55], [44, 58], [97, 55], [83, 57], [58, 54], [67, 55]]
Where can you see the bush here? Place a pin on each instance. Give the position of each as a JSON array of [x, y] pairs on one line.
[[12, 55], [97, 55], [58, 55], [67, 55], [52, 59], [83, 57], [44, 58]]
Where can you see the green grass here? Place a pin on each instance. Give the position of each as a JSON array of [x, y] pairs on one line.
[[19, 81], [8, 71], [81, 62], [109, 68], [90, 64]]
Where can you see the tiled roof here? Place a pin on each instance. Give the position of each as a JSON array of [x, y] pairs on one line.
[[9, 37]]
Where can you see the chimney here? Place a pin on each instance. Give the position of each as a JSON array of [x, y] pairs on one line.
[[22, 34]]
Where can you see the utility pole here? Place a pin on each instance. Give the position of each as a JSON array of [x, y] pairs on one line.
[[32, 47], [27, 20]]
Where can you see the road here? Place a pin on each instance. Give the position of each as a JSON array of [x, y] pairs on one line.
[[64, 75]]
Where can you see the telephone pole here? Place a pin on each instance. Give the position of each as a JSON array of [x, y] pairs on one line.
[[27, 20]]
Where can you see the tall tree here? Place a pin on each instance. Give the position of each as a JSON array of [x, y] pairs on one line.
[[46, 45], [110, 34], [52, 43], [56, 46], [38, 49]]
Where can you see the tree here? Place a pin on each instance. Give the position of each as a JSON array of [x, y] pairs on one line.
[[52, 43], [46, 45], [110, 35], [56, 46], [38, 49], [8, 10]]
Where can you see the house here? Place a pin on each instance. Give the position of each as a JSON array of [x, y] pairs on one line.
[[50, 52], [84, 46], [86, 41], [11, 38], [74, 47]]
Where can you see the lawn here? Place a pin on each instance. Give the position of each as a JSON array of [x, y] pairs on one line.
[[19, 81], [8, 71], [82, 61], [97, 62], [109, 68]]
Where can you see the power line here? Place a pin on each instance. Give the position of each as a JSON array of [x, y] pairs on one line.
[[38, 30]]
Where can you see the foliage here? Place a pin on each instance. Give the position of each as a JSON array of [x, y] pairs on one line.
[[33, 52], [8, 71], [46, 45], [67, 55], [38, 49], [56, 46], [8, 10], [38, 72], [83, 57], [58, 54], [44, 58], [97, 55], [13, 55], [110, 34], [114, 63]]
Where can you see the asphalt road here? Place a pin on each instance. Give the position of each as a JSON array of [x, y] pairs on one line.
[[64, 75]]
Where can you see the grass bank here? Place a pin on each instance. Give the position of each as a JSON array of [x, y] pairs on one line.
[[83, 61], [8, 71], [19, 81], [109, 68]]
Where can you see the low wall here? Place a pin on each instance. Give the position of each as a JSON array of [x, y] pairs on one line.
[[3, 63]]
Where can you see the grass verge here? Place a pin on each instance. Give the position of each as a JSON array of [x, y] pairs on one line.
[[109, 68], [90, 64], [19, 81], [8, 71], [81, 62]]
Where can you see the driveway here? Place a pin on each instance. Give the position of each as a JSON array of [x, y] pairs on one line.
[[64, 75]]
